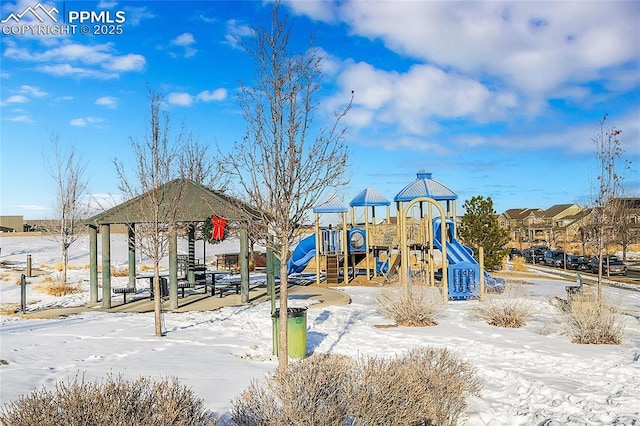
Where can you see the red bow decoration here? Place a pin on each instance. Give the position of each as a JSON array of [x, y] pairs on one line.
[[218, 225]]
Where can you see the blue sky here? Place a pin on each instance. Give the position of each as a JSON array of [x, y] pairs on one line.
[[499, 99]]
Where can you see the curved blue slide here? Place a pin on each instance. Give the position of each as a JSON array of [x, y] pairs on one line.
[[458, 252], [301, 256]]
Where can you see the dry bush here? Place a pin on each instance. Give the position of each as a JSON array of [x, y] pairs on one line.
[[144, 267], [119, 272], [141, 402], [511, 310], [589, 321], [9, 308], [410, 305], [55, 287], [519, 264], [427, 386], [424, 387], [314, 391]]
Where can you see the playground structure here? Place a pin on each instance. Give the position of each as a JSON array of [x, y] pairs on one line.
[[414, 244]]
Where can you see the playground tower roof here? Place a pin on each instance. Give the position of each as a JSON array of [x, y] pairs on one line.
[[369, 197], [331, 204], [425, 186]]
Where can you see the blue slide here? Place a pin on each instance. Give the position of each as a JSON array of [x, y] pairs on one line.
[[301, 256], [459, 253]]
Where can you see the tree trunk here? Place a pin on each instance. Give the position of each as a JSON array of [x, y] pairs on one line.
[[283, 355], [157, 300]]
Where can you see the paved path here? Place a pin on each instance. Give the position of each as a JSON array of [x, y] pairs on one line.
[[198, 301]]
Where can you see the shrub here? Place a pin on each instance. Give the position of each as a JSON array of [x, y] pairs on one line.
[[112, 402], [425, 386], [313, 391], [510, 310], [519, 264], [55, 287], [121, 272], [410, 305], [588, 320]]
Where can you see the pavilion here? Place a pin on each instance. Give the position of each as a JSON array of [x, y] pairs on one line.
[[197, 204]]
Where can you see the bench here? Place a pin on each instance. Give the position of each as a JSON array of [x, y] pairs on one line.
[[124, 291], [185, 284], [574, 289], [224, 287]]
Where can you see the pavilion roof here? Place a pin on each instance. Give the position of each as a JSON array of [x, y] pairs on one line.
[[197, 202]]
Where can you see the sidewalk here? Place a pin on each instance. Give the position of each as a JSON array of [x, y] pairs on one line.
[[198, 301]]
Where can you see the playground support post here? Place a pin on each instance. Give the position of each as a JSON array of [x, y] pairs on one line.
[[404, 243], [482, 286], [23, 294]]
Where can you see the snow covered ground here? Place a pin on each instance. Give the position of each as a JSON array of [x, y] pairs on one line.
[[532, 375]]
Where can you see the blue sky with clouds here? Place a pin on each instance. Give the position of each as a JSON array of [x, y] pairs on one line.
[[499, 98]]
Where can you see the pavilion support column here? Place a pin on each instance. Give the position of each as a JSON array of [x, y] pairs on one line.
[[131, 244], [105, 231], [173, 269], [244, 264], [93, 264], [191, 274]]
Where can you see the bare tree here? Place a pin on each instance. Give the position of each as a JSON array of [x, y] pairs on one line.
[[68, 172], [157, 164], [608, 153], [281, 166]]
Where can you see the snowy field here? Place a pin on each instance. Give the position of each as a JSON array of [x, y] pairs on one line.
[[532, 376]]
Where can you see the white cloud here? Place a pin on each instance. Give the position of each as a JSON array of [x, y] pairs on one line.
[[416, 98], [21, 119], [130, 62], [17, 99], [85, 121], [107, 101], [32, 91], [537, 47], [320, 10], [184, 39], [236, 31], [213, 95], [180, 99], [78, 60], [107, 4]]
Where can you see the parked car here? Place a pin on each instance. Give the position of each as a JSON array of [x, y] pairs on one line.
[[578, 263], [514, 252], [535, 254], [554, 258], [611, 265]]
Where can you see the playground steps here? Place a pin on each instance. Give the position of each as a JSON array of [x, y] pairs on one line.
[[333, 275]]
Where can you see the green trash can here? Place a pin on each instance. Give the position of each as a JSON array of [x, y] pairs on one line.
[[296, 332]]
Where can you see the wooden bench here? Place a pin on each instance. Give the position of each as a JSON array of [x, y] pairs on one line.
[[124, 291]]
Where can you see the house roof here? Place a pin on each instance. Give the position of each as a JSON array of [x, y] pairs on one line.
[[555, 210], [197, 203]]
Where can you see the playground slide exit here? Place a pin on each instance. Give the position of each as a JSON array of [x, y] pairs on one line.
[[302, 254], [458, 252]]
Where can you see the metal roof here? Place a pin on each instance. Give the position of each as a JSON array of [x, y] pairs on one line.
[[425, 186], [369, 197], [330, 205], [197, 203]]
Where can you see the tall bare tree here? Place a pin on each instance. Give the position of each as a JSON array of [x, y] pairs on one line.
[[284, 162], [608, 153], [157, 164], [70, 211]]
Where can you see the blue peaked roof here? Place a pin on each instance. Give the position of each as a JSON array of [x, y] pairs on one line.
[[369, 197], [330, 205], [425, 186]]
